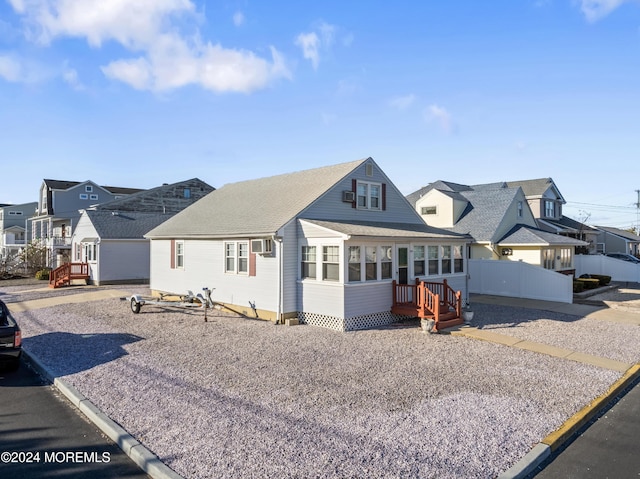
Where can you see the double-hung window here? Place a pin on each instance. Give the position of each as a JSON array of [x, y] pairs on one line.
[[385, 262], [371, 263], [179, 254], [355, 267], [549, 209], [458, 259], [308, 266], [418, 260], [236, 257], [432, 259], [548, 258], [331, 263], [369, 195], [446, 259]]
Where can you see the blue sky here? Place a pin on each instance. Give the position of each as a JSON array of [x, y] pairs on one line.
[[137, 93]]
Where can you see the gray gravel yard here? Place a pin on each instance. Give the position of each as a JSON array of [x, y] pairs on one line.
[[236, 397]]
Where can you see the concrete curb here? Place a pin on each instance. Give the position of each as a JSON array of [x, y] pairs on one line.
[[571, 426], [143, 457]]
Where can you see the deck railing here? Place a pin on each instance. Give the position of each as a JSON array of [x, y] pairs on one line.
[[428, 298], [68, 271]]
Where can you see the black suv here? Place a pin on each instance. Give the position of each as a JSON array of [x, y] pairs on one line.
[[10, 338]]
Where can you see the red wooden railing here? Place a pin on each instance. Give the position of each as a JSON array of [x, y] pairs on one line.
[[63, 275], [427, 299]]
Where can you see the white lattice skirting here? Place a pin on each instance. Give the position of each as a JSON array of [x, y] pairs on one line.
[[367, 321]]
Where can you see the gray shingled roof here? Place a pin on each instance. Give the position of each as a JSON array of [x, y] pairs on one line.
[[446, 187], [65, 185], [129, 225], [253, 207], [526, 235], [568, 223], [622, 233], [380, 229], [535, 187]]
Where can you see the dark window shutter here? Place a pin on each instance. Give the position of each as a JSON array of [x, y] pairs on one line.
[[354, 188], [384, 196], [173, 254], [252, 264]]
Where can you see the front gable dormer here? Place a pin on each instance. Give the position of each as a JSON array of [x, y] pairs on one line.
[[440, 209]]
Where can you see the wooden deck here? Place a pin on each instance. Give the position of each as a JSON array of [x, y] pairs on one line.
[[63, 275], [425, 299]]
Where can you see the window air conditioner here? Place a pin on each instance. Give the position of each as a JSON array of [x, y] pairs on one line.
[[261, 246], [348, 196]]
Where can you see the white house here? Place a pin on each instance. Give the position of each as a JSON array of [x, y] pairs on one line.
[[323, 246]]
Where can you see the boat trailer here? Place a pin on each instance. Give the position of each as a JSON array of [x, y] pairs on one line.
[[188, 301]]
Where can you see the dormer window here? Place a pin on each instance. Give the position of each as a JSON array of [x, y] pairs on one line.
[[519, 209], [369, 196], [429, 210], [88, 188], [550, 209]]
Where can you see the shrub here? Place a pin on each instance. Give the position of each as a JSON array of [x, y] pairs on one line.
[[43, 274], [578, 287], [589, 283], [604, 279]]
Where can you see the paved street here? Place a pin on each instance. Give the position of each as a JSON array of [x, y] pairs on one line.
[[35, 419], [609, 448]]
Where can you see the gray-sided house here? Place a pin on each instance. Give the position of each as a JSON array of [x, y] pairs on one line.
[[58, 210], [616, 240], [323, 246], [14, 229], [110, 237]]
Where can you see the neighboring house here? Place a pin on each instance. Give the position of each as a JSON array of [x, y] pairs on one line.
[[168, 198], [58, 211], [113, 245], [615, 240], [499, 219], [14, 227], [545, 201], [110, 236], [322, 245]]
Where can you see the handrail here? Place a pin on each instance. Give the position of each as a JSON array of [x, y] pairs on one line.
[[67, 272], [425, 297]]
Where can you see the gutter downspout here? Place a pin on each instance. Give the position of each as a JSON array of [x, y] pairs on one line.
[[279, 240]]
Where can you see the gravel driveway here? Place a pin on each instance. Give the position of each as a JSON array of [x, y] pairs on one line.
[[236, 397]]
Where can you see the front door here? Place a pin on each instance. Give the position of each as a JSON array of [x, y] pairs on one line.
[[403, 264]]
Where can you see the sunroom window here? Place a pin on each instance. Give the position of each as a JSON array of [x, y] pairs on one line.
[[331, 263]]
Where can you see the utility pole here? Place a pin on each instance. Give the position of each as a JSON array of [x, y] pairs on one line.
[[638, 214]]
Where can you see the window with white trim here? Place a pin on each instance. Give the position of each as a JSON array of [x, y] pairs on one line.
[[446, 259], [432, 260], [84, 196], [236, 257], [331, 263], [179, 254], [429, 210], [88, 188], [549, 258], [565, 258], [355, 266], [308, 264], [458, 259], [369, 195], [385, 262], [418, 260], [550, 209], [371, 263], [93, 197], [520, 209]]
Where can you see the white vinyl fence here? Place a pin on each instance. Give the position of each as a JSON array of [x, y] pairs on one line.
[[519, 280], [600, 264]]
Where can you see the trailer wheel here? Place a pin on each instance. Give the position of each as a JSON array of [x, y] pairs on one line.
[[135, 306]]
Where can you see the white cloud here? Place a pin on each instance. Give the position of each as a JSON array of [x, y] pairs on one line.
[[70, 76], [165, 58], [402, 102], [320, 39], [594, 10], [440, 116], [310, 42], [238, 19]]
